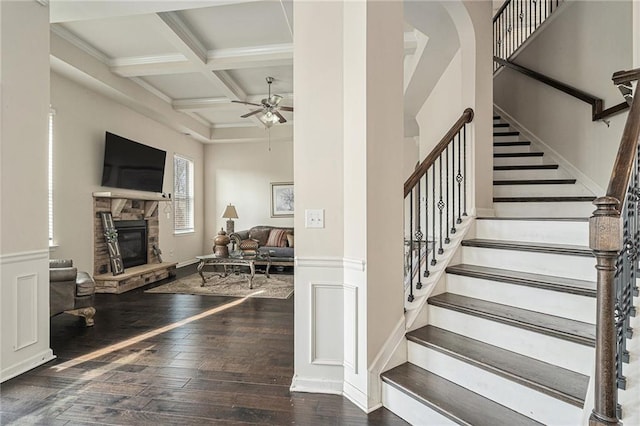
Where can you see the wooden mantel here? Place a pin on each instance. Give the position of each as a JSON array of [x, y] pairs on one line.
[[119, 200]]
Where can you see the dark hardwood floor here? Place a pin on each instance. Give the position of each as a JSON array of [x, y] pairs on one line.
[[167, 359]]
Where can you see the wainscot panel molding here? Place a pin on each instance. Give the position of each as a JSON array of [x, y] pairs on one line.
[[351, 327], [319, 262], [24, 310], [324, 321]]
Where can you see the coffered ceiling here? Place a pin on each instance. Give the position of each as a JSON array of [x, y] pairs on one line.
[[187, 59]]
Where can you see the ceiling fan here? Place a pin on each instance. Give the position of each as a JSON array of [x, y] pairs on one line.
[[269, 108]]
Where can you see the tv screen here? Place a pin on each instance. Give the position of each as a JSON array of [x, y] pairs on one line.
[[132, 165]]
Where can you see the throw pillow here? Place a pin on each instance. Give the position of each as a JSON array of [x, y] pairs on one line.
[[290, 240], [277, 238]]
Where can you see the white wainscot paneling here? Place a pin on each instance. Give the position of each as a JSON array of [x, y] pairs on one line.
[[27, 315], [351, 327], [326, 323]]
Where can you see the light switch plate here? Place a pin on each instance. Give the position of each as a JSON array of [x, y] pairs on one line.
[[314, 218]]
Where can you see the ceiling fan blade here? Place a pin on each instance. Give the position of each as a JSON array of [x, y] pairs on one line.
[[246, 103], [251, 113], [285, 108], [280, 117]]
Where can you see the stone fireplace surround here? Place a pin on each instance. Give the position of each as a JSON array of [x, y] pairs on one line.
[[127, 206]]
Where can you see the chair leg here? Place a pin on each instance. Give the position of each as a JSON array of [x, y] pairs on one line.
[[86, 313]]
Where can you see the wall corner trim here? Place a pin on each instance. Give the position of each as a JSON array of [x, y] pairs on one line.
[[26, 365]]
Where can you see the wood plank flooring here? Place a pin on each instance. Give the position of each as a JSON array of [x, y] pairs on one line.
[[228, 366]]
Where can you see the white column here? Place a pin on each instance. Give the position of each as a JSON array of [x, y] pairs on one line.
[[373, 203], [24, 253], [348, 160]]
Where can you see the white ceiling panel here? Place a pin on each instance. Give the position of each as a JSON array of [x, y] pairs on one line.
[[184, 86], [253, 80], [126, 36], [240, 25], [224, 116]]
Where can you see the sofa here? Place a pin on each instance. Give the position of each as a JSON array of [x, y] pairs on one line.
[[71, 291], [277, 241]]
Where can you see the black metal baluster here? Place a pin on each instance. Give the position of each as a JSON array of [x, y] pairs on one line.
[[426, 224], [446, 174], [453, 184], [459, 180], [433, 201], [440, 205], [410, 298], [418, 233], [464, 164]]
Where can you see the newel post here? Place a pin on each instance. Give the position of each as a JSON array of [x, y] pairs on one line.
[[605, 239]]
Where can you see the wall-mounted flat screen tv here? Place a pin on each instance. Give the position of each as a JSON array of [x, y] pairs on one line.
[[132, 165]]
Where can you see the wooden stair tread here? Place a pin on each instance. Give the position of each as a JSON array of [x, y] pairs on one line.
[[501, 125], [558, 382], [557, 199], [517, 154], [567, 249], [547, 282], [512, 143], [527, 167], [496, 117], [452, 401], [562, 328], [513, 133], [535, 182]]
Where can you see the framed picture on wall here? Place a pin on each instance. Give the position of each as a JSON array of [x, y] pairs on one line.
[[282, 199]]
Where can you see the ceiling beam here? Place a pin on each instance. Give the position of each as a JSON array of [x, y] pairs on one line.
[[196, 104], [179, 34]]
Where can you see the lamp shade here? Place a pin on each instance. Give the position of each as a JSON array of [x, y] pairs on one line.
[[230, 212], [268, 119]]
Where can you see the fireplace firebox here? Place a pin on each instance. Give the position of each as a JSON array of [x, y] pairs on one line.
[[132, 237]]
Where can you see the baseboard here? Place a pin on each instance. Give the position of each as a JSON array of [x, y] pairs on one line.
[[480, 212], [26, 365], [356, 396], [299, 384], [562, 162]]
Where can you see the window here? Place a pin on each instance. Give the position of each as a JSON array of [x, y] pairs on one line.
[[182, 195], [50, 176]]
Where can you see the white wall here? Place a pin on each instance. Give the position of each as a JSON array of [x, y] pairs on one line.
[[241, 174], [81, 119], [24, 276], [583, 47]]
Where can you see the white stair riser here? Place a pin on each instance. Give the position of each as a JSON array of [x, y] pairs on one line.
[[512, 148], [545, 231], [578, 267], [506, 138], [517, 161], [410, 409], [572, 306], [544, 209], [530, 174], [563, 353], [544, 190], [515, 396]]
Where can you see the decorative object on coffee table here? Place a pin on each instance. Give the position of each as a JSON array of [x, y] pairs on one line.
[[111, 239], [221, 242], [282, 199], [230, 213]]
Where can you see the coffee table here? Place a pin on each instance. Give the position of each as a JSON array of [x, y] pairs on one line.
[[234, 259]]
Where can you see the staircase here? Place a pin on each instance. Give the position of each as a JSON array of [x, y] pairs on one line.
[[511, 339]]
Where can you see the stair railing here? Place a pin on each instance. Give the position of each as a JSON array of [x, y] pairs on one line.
[[515, 21], [435, 202], [614, 237]]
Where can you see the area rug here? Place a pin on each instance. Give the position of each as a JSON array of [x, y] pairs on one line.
[[278, 286]]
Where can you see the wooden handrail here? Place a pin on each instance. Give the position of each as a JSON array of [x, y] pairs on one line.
[[466, 117], [606, 240], [597, 109], [503, 7]]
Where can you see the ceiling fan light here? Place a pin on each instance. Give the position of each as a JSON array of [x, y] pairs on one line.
[[268, 119]]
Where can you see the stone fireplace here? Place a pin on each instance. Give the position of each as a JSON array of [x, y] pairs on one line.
[[136, 219]]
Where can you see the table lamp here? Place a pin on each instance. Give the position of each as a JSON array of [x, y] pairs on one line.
[[230, 213]]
